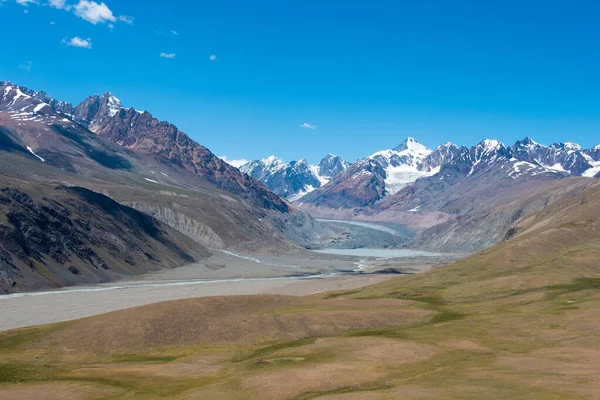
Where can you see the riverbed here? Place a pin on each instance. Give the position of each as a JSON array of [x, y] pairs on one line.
[[225, 273], [381, 253]]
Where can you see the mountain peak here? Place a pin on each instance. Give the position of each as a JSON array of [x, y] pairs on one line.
[[113, 104], [410, 143], [447, 145], [490, 144], [271, 160], [96, 108], [529, 141], [299, 162], [526, 144], [570, 146]]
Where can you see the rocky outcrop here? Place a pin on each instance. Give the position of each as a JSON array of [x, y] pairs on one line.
[[361, 185], [198, 231], [331, 166], [94, 110]]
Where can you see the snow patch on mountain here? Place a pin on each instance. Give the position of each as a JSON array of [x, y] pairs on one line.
[[114, 104], [403, 175], [322, 179], [595, 166], [39, 107], [403, 164], [31, 151], [302, 193]]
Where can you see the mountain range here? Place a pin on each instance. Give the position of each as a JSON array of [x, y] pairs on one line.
[[131, 160], [452, 189], [297, 178], [60, 163], [386, 172]]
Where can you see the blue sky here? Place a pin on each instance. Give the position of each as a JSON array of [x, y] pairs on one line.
[[363, 74]]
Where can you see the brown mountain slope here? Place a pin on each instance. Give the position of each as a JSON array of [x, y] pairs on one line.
[[197, 193], [491, 220], [141, 132], [52, 236]]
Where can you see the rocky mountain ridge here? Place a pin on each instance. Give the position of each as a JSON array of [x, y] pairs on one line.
[[386, 173], [135, 160], [296, 178]]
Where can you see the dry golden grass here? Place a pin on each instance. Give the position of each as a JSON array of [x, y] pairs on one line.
[[520, 320], [58, 391], [239, 320]]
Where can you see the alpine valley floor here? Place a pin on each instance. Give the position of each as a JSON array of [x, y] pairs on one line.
[[517, 321], [223, 274]]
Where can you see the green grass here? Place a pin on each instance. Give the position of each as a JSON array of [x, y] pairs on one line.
[[24, 372], [393, 333], [577, 285], [446, 316], [135, 358], [344, 390], [14, 339], [335, 295], [265, 351]]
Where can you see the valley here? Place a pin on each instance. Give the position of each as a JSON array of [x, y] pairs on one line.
[[222, 274], [135, 263], [306, 200], [518, 320]]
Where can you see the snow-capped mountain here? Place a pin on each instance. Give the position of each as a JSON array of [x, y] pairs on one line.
[[23, 106], [382, 173], [20, 96], [565, 157], [295, 179], [330, 167], [388, 172], [96, 109], [404, 164]]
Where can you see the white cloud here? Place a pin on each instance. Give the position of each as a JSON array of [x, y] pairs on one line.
[[78, 42], [213, 57], [25, 3], [126, 19], [306, 125], [26, 66], [174, 32], [235, 163], [94, 12], [51, 22], [60, 4], [167, 55]]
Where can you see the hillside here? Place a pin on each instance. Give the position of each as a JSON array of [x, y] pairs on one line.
[[149, 165], [452, 188], [53, 236], [518, 320]]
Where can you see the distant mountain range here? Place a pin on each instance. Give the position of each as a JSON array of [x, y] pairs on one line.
[[297, 178], [458, 198], [386, 172]]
